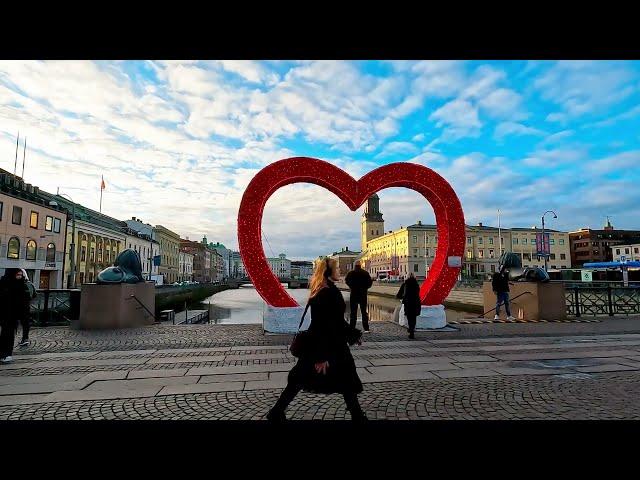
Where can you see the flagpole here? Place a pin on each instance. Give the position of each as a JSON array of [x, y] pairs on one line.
[[499, 233], [101, 188], [24, 155], [15, 163]]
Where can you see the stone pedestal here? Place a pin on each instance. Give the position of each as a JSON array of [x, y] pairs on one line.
[[112, 306], [431, 317], [284, 319], [541, 301]]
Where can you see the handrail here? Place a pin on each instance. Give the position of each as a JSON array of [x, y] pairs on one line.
[[142, 305]]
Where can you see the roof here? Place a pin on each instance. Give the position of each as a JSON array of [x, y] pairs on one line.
[[344, 253]]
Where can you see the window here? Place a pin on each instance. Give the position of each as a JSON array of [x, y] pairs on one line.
[[51, 253], [491, 254], [552, 241], [426, 239], [81, 278], [415, 252], [33, 223], [56, 225], [479, 240], [31, 250], [1, 205], [48, 226], [426, 252], [524, 241], [635, 250], [415, 267], [627, 251], [469, 254], [468, 240], [415, 238], [617, 251], [515, 241], [553, 256], [561, 241], [16, 218], [554, 267], [13, 248], [92, 256], [490, 240], [493, 268]]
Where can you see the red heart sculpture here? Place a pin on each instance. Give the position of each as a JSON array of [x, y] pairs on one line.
[[437, 191]]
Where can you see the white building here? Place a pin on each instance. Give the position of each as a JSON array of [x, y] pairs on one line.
[[627, 253], [280, 266], [227, 258], [146, 247], [185, 267], [301, 269]]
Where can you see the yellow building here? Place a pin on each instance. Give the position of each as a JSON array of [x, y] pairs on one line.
[[413, 248], [169, 253]]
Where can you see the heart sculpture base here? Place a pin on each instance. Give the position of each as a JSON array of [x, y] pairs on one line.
[[284, 319], [431, 317]]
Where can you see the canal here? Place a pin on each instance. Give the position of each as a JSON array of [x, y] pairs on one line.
[[245, 306]]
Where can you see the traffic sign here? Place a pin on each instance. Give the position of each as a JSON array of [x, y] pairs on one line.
[[587, 275]]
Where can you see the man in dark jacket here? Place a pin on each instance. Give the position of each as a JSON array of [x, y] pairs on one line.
[[500, 285], [359, 281], [14, 298]]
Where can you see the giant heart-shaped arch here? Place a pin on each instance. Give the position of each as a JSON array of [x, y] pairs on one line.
[[437, 191]]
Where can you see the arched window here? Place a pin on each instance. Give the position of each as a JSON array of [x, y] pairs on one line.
[[31, 250], [13, 248], [51, 253]]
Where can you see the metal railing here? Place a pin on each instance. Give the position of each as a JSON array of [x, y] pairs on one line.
[[52, 307], [606, 301]]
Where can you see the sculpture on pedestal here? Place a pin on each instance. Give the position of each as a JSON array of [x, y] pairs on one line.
[[126, 269]]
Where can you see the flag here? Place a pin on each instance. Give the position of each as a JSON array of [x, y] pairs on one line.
[[102, 185]]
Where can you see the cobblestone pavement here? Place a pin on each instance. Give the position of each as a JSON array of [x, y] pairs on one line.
[[494, 371]]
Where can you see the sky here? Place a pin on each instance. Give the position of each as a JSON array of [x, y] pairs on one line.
[[178, 141]]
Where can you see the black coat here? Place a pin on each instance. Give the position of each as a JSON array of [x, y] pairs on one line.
[[500, 282], [330, 339], [15, 298], [410, 294], [359, 281]]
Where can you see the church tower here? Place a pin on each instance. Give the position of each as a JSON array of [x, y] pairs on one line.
[[372, 224]]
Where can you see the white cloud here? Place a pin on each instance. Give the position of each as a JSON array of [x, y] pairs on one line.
[[397, 148], [460, 118], [511, 128], [418, 138]]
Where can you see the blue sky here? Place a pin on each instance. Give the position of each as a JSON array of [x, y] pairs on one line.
[[178, 142]]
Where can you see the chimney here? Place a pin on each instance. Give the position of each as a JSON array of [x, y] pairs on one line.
[[133, 218], [479, 224], [419, 222]]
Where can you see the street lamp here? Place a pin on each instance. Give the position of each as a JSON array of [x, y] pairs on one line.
[[72, 250], [543, 240]]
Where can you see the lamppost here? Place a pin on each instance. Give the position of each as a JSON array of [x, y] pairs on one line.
[[72, 249], [543, 239]]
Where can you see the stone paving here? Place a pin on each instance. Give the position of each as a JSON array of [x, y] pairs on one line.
[[495, 371]]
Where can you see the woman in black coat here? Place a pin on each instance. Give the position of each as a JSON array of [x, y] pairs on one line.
[[410, 294], [327, 366], [14, 301]]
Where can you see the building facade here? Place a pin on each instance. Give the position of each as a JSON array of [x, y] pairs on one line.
[[628, 253], [413, 249], [201, 270], [346, 260], [32, 233], [280, 266], [589, 245], [227, 258], [301, 269], [185, 266], [169, 253]]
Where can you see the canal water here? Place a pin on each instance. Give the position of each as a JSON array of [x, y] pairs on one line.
[[245, 306]]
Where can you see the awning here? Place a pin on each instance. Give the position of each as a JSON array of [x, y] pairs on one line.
[[611, 264]]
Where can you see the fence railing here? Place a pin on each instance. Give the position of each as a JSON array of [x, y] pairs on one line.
[[54, 307], [608, 301]]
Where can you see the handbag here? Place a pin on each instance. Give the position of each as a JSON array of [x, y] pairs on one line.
[[301, 339]]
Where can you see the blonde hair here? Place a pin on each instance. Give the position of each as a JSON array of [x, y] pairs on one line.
[[318, 280]]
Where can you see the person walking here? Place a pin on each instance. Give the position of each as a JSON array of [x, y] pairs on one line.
[[327, 365], [500, 285], [359, 281], [410, 294], [14, 300], [25, 321]]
